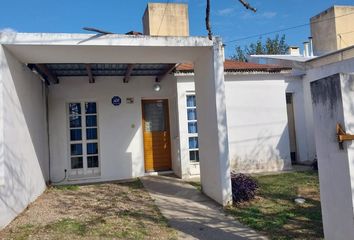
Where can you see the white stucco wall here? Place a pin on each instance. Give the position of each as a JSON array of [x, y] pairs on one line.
[[212, 124], [120, 127], [185, 86], [305, 148], [23, 139], [257, 119], [257, 122], [313, 74], [332, 99]]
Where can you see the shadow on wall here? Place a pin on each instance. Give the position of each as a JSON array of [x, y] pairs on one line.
[[348, 99], [264, 156], [25, 147]]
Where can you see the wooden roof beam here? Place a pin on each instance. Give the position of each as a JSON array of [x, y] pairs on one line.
[[128, 73], [169, 69], [89, 73], [51, 78]]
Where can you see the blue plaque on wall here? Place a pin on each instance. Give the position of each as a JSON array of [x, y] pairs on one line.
[[116, 101]]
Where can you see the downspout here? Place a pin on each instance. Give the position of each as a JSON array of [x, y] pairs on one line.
[[47, 123], [50, 182]]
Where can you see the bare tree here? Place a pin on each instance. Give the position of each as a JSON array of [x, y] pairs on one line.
[[207, 15], [247, 5]]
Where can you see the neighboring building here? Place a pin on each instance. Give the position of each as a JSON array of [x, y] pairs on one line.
[[327, 91], [333, 29], [326, 88]]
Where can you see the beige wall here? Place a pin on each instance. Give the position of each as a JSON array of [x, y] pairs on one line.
[[166, 19], [344, 26], [333, 29]]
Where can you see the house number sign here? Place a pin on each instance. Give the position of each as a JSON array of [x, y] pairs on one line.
[[116, 101]]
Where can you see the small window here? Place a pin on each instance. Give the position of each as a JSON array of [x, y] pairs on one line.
[[192, 127], [76, 149], [75, 135], [90, 108], [92, 162], [83, 133], [91, 121], [74, 108], [91, 133], [193, 144], [194, 156], [76, 162]]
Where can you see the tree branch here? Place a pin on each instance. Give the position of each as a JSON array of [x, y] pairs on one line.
[[207, 20], [247, 5]]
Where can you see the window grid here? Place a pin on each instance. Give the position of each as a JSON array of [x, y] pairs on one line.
[[78, 120], [192, 126]]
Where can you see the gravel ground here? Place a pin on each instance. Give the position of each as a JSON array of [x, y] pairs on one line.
[[101, 211]]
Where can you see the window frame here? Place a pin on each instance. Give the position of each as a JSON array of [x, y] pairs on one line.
[[85, 171], [192, 135]]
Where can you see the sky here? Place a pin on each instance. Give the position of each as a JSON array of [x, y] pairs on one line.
[[229, 19]]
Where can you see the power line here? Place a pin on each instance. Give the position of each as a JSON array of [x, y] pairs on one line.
[[345, 33], [286, 29]]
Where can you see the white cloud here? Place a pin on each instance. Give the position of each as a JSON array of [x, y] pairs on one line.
[[265, 15], [8, 30], [269, 14], [225, 11]]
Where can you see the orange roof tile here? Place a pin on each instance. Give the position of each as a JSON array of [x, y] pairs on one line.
[[236, 66]]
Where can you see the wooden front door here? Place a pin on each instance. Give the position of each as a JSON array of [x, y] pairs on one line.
[[157, 145]]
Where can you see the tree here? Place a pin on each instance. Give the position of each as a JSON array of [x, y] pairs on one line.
[[271, 46], [207, 15]]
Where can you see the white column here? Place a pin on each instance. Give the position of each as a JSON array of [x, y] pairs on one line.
[[212, 124], [333, 102]]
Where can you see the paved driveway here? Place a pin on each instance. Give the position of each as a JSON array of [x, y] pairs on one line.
[[193, 214]]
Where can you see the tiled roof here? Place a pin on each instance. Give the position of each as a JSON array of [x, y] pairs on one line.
[[236, 66]]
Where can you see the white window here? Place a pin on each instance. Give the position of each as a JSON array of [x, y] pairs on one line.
[[193, 145], [83, 139]]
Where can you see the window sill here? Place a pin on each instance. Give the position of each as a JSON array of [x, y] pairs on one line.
[[83, 177], [194, 163]]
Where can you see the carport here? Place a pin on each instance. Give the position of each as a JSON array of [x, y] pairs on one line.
[[55, 55]]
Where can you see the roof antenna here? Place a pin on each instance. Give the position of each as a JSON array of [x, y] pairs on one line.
[[96, 30]]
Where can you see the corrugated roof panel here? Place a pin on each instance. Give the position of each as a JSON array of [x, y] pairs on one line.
[[107, 69]]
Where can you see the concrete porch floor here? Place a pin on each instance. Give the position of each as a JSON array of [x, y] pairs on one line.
[[191, 213]]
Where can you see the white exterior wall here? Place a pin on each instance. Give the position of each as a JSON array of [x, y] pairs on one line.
[[257, 119], [313, 74], [332, 98], [304, 130], [185, 86], [335, 165], [212, 124], [257, 122], [121, 149], [23, 137]]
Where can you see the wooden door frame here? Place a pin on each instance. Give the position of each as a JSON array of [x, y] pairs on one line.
[[167, 123]]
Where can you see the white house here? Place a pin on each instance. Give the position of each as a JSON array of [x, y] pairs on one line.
[[76, 110], [80, 108]]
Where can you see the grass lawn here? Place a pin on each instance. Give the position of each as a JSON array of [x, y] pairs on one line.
[[101, 211], [274, 212]]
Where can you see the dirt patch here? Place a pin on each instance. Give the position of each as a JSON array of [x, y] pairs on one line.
[[109, 211]]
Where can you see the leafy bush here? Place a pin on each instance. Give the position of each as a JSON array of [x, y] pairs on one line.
[[244, 187]]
